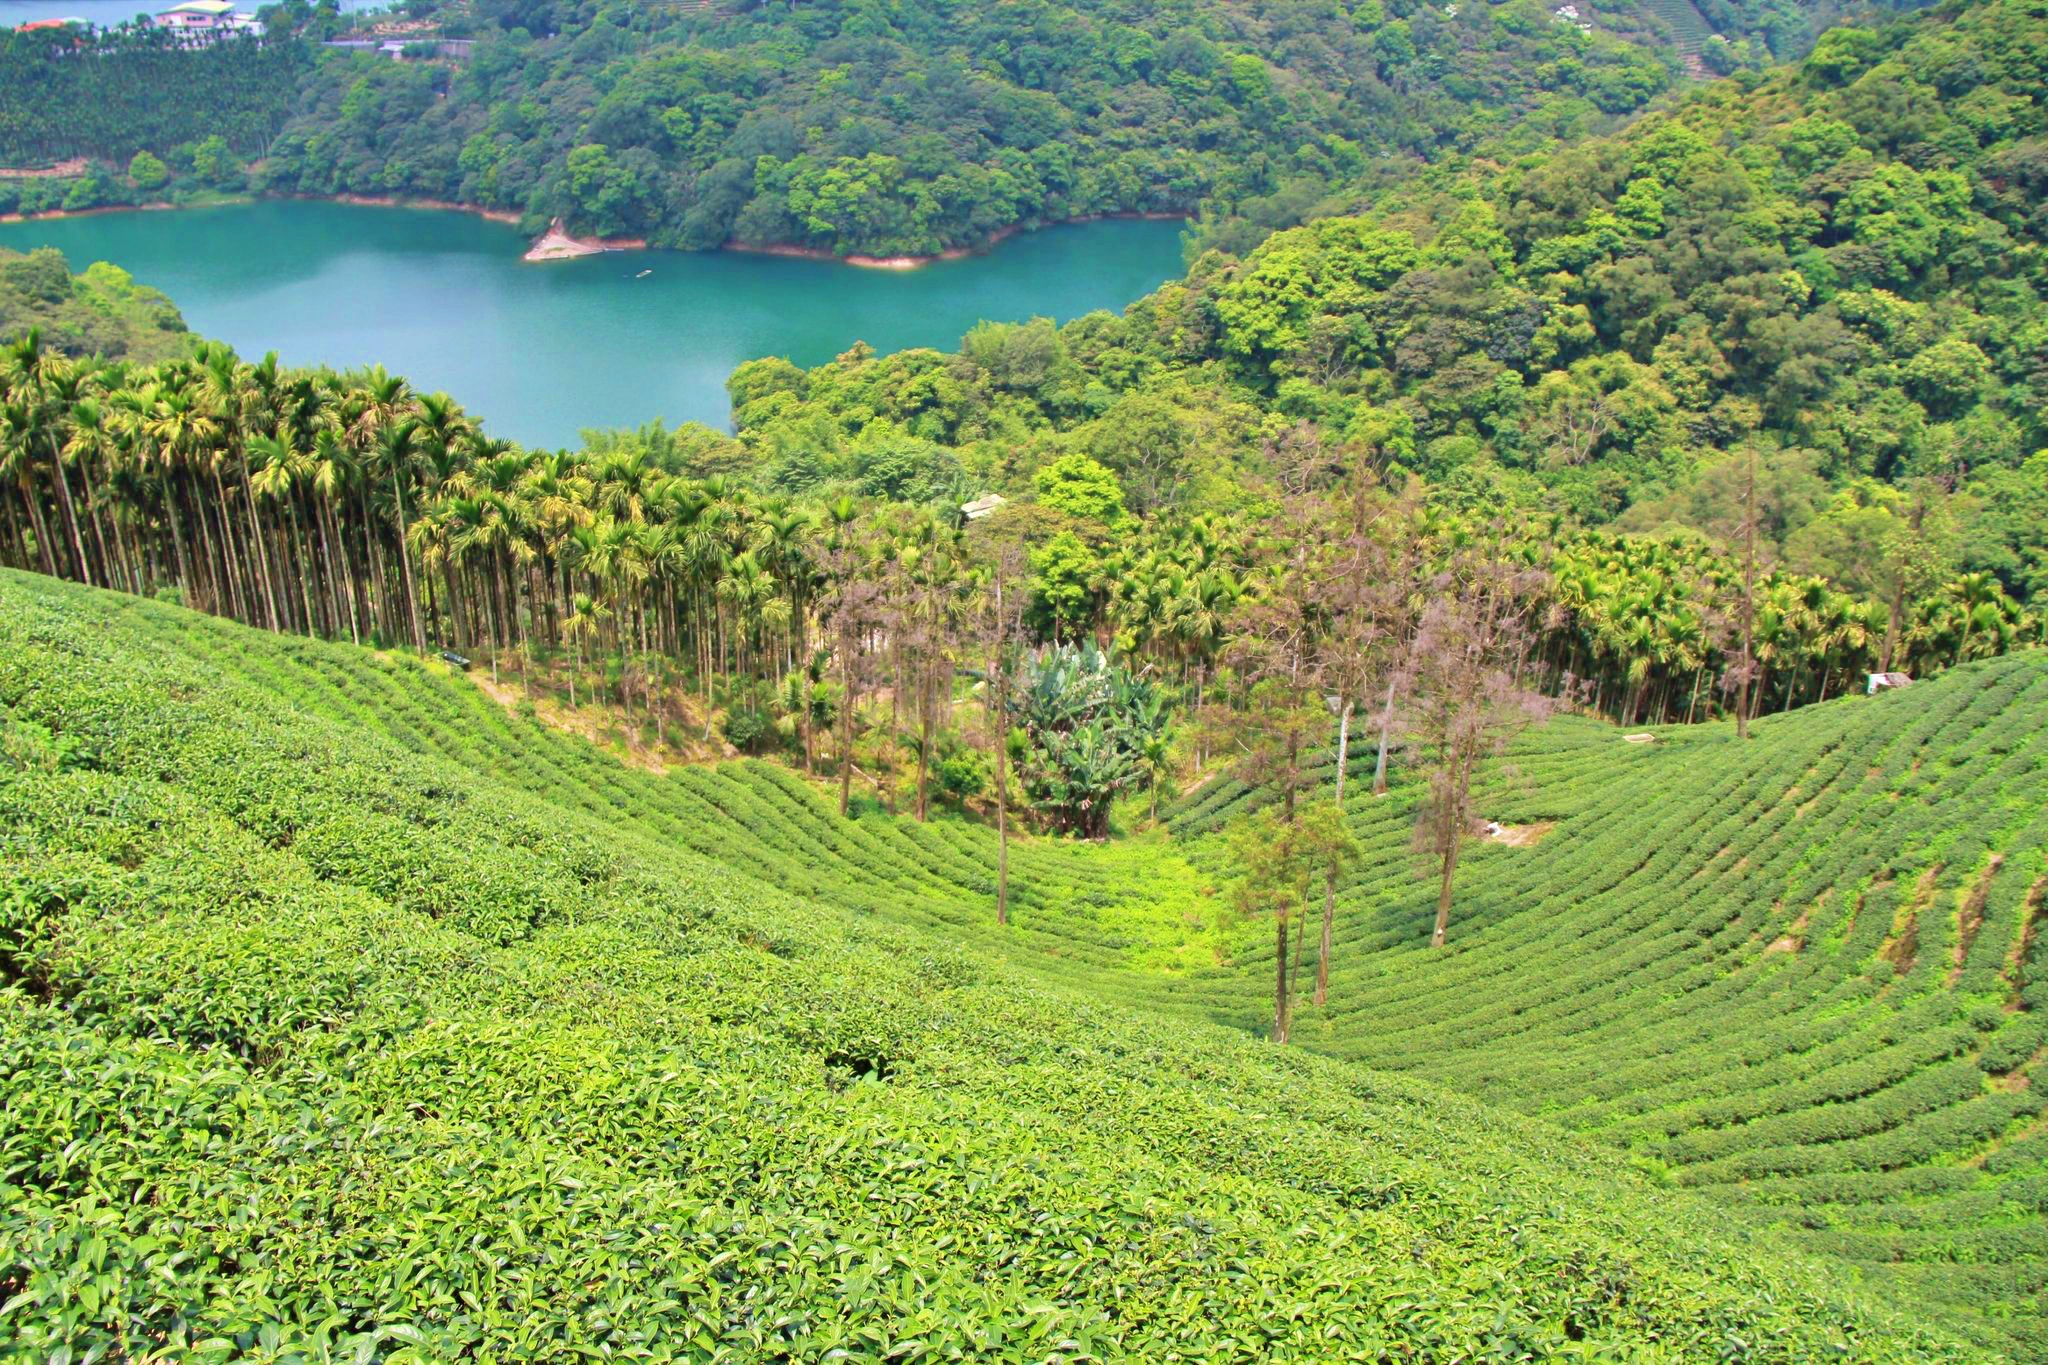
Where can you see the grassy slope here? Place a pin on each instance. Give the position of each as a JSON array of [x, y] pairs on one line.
[[309, 1042]]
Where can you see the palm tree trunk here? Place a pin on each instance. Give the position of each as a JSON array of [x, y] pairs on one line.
[[71, 519], [296, 553], [92, 512], [336, 578], [412, 601], [35, 518], [184, 563], [207, 558], [1280, 978], [256, 537], [1330, 874], [924, 747], [1379, 771]]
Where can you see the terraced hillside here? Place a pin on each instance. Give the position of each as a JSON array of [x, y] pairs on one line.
[[1690, 31], [1793, 975], [314, 1048], [1801, 975]]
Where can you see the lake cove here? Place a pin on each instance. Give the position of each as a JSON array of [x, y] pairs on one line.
[[543, 351]]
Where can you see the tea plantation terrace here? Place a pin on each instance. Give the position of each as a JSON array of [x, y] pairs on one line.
[[346, 1011], [1802, 975]]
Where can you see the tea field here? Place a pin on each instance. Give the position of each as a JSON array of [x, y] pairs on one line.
[[1802, 976], [345, 1014]]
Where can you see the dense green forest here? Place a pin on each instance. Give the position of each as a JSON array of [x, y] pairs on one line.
[[1783, 28], [907, 128], [1838, 268], [110, 94]]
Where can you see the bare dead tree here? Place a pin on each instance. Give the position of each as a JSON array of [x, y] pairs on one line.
[[851, 608], [1748, 665], [1366, 596], [925, 625], [1280, 636], [1280, 858], [1466, 702]]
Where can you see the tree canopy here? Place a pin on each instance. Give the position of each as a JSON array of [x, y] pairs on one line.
[[850, 127]]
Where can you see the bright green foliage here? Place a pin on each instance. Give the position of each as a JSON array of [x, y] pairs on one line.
[[961, 774], [214, 162], [1844, 272], [148, 172], [1065, 586], [313, 1045], [1088, 723], [659, 557], [910, 128], [1082, 488], [1801, 976], [101, 311]]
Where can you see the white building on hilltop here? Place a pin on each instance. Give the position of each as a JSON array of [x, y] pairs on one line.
[[205, 16]]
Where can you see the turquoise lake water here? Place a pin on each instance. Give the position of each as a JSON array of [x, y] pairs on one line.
[[543, 351]]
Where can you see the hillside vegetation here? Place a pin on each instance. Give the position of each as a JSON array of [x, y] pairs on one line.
[[1839, 265], [311, 1046], [1800, 986], [908, 128], [100, 311], [113, 94], [1802, 976]]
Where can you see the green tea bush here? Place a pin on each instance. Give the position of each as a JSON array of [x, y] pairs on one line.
[[348, 1015]]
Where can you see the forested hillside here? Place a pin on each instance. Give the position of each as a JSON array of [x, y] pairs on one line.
[[311, 1045], [129, 90], [1839, 266], [851, 127], [100, 311]]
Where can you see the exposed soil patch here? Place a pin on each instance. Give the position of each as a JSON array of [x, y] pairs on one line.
[[1970, 917], [2022, 954], [1902, 947], [1519, 836], [1794, 937], [603, 727]]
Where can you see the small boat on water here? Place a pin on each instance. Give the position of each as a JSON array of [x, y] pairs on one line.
[[643, 274]]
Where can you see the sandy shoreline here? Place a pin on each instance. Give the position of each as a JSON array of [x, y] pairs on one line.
[[951, 253], [386, 201], [558, 244], [157, 206]]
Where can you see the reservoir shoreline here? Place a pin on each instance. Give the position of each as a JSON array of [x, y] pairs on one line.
[[544, 353], [558, 244]]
